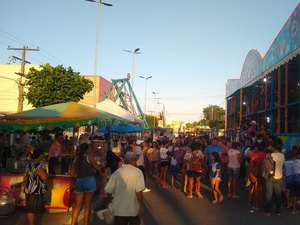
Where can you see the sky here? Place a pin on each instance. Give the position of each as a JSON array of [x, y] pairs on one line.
[[190, 48]]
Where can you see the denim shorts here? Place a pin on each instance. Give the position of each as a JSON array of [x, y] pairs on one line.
[[85, 184], [233, 172]]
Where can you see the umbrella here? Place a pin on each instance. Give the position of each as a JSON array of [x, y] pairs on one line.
[[63, 110], [109, 106], [59, 116], [130, 128]]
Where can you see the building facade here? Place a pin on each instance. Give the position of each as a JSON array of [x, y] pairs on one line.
[[268, 90], [9, 88]]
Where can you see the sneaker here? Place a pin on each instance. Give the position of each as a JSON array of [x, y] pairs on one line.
[[295, 212], [251, 211], [189, 196], [146, 190]]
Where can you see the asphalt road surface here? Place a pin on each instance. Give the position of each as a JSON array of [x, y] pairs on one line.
[[170, 206]]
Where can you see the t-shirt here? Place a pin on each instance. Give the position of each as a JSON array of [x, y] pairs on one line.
[[297, 171], [233, 158], [179, 154], [33, 183], [216, 166], [256, 163], [288, 171], [173, 161], [55, 150], [139, 152], [163, 154], [123, 184], [210, 149], [187, 158], [279, 160]]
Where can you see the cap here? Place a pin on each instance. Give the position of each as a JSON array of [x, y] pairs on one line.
[[130, 156], [253, 122], [138, 142]]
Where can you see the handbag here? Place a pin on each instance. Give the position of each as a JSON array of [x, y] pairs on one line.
[[109, 214]]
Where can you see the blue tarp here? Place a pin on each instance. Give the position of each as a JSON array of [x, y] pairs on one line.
[[130, 128]]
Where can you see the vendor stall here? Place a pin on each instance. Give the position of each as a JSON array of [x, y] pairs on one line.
[[48, 119]]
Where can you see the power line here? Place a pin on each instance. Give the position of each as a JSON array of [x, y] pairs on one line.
[[18, 40]]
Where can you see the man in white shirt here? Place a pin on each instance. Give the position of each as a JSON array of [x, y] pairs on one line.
[[274, 184], [126, 186]]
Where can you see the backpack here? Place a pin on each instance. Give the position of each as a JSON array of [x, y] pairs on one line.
[[268, 167], [196, 164]]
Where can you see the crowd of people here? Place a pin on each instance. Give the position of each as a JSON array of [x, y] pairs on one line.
[[257, 163]]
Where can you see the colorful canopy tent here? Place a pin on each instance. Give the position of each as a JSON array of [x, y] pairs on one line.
[[130, 128], [61, 115], [109, 106]]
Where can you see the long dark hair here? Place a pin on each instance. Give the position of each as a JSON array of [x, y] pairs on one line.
[[216, 156], [82, 150]]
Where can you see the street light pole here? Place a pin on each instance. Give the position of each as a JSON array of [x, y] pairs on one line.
[[146, 79], [155, 93], [134, 52], [99, 2]]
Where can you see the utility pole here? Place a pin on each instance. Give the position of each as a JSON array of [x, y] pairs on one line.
[[22, 74]]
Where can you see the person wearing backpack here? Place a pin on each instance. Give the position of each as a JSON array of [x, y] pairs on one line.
[[195, 162], [272, 174]]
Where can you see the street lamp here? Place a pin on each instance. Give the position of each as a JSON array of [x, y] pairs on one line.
[[134, 52], [99, 2], [145, 78], [155, 93]]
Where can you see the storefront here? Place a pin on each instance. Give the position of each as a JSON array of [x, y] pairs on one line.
[[268, 90]]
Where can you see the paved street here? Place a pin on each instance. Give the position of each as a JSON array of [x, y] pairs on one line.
[[170, 206]]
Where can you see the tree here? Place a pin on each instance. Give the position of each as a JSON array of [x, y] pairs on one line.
[[214, 116], [52, 85]]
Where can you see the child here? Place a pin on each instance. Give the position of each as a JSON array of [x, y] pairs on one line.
[[216, 177], [173, 168]]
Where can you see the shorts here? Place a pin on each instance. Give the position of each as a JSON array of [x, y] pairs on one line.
[[174, 170], [34, 203], [193, 173], [164, 163], [233, 172], [85, 184]]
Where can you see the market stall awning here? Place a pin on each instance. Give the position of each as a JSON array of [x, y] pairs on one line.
[[62, 110], [109, 106], [130, 128], [61, 115]]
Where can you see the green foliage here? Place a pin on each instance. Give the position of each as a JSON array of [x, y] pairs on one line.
[[214, 116], [150, 120], [52, 85]]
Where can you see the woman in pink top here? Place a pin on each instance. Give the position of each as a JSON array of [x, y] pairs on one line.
[[234, 164]]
